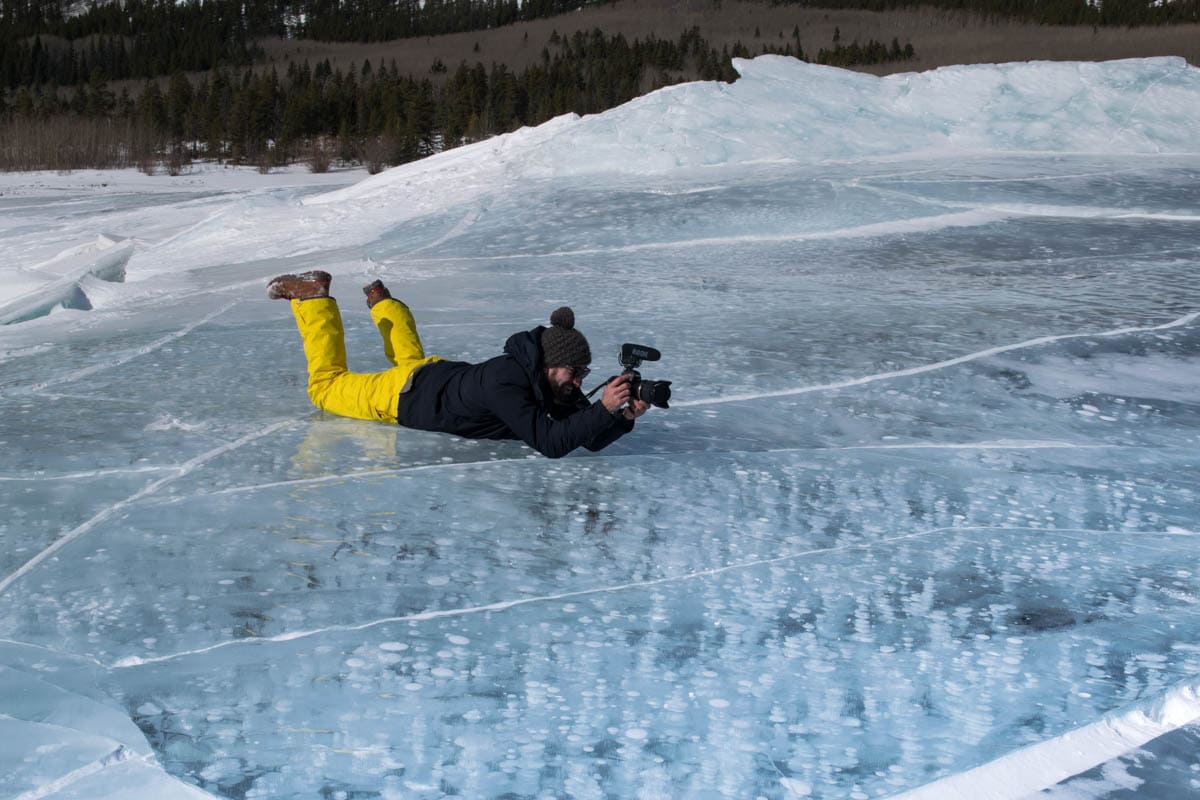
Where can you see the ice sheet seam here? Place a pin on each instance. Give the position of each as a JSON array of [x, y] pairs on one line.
[[125, 359], [382, 473], [904, 373], [184, 469], [504, 605]]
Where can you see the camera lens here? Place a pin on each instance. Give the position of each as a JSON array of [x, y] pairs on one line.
[[656, 393]]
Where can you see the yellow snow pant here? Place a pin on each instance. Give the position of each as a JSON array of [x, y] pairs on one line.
[[361, 395]]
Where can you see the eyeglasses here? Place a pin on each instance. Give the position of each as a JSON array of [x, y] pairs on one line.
[[579, 373]]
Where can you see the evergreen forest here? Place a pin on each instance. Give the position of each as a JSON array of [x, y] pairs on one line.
[[161, 82]]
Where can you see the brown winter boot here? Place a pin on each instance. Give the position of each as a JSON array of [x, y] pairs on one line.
[[303, 286], [376, 291]]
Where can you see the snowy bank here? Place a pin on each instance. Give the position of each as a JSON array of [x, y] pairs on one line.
[[784, 110]]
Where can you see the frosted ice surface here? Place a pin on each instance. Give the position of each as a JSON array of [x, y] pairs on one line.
[[927, 495]]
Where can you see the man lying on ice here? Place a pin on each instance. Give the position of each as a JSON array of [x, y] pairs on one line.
[[531, 393]]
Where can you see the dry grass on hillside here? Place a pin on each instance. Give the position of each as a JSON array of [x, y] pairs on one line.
[[939, 37]]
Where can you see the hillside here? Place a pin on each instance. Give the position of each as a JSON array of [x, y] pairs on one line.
[[939, 37]]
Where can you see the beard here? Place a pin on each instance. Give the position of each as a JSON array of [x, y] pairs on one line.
[[560, 393], [564, 393]]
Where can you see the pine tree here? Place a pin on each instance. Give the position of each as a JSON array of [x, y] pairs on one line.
[[152, 108], [178, 106]]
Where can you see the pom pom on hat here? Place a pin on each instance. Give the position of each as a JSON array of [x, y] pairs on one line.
[[563, 317], [562, 345]]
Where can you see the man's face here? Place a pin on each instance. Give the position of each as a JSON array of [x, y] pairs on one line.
[[564, 381]]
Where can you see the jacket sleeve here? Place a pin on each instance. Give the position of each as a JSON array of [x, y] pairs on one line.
[[513, 402], [621, 427]]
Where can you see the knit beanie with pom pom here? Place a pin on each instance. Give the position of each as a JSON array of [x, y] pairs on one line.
[[562, 345]]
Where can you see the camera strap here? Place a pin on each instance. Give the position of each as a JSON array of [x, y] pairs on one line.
[[598, 388]]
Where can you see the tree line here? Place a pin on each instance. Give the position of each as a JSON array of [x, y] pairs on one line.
[[56, 69], [147, 38], [1116, 13], [133, 39], [40, 42], [371, 114]]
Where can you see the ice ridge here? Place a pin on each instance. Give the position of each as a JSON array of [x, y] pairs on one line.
[[1029, 770], [784, 110]]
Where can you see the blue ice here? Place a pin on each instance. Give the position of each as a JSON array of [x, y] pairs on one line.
[[926, 500]]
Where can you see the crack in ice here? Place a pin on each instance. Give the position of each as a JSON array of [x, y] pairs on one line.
[[961, 219], [182, 470], [505, 605], [432, 467], [952, 362], [91, 473], [125, 359], [117, 756]]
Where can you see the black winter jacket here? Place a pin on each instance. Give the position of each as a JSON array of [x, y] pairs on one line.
[[505, 398]]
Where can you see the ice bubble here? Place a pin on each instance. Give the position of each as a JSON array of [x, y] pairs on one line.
[[455, 639], [148, 710], [413, 687], [219, 769], [438, 580], [393, 647], [718, 702], [636, 734], [442, 672], [355, 663], [797, 787]]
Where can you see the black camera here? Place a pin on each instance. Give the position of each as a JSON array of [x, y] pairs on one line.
[[656, 393]]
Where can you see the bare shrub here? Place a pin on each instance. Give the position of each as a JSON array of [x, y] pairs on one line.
[[175, 163], [349, 147], [320, 156], [70, 143], [375, 151]]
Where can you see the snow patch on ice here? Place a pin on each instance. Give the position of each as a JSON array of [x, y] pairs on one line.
[[166, 422]]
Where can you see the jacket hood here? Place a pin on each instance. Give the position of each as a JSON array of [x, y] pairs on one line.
[[526, 348]]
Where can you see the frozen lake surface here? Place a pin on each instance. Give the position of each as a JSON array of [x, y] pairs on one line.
[[927, 496]]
